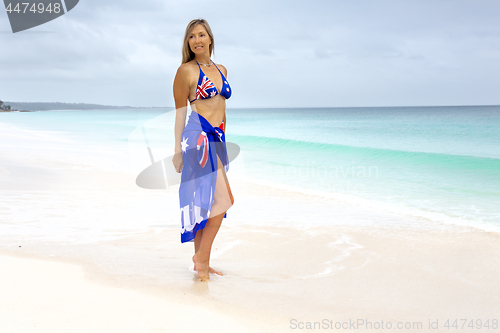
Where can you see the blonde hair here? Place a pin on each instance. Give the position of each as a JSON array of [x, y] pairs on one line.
[[187, 54]]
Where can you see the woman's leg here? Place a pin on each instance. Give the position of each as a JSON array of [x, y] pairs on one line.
[[197, 241], [223, 199]]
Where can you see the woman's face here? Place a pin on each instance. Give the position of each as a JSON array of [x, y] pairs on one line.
[[199, 40]]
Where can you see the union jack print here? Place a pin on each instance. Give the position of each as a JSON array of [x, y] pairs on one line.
[[202, 145], [205, 85]]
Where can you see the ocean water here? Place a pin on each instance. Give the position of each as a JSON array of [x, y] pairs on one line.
[[441, 164], [438, 163]]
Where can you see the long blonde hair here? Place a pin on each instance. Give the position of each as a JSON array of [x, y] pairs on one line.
[[187, 54]]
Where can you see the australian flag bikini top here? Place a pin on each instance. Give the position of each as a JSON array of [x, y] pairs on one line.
[[206, 88]]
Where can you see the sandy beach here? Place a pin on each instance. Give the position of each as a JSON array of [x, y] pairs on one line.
[[51, 296], [278, 279], [83, 249]]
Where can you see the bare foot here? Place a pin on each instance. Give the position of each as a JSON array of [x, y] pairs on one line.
[[203, 269], [210, 270]]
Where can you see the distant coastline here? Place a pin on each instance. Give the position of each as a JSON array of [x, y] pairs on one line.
[[35, 106]]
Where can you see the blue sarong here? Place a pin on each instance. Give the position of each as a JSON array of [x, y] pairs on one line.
[[201, 144]]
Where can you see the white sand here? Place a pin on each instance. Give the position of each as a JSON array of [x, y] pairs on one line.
[[44, 296]]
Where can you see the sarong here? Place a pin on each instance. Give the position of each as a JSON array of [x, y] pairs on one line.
[[201, 144]]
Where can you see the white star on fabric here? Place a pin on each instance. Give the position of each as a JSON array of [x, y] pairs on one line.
[[184, 144]]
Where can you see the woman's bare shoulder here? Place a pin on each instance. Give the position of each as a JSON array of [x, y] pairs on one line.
[[186, 68], [223, 69], [185, 74]]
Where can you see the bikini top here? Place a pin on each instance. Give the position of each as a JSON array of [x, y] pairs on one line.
[[206, 88]]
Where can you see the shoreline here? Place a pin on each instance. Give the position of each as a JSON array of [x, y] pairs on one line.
[[402, 212]]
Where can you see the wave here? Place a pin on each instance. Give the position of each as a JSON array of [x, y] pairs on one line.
[[416, 159]]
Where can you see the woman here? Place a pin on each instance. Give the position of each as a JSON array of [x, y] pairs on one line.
[[200, 147]]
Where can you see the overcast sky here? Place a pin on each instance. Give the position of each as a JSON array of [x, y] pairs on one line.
[[278, 53]]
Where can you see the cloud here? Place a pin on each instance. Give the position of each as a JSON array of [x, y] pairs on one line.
[[295, 53]]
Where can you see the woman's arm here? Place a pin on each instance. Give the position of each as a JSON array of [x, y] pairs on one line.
[[224, 71], [181, 95]]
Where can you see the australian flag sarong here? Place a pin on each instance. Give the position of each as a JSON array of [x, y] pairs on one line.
[[201, 143]]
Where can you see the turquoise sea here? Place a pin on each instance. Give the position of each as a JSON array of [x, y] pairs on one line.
[[438, 163]]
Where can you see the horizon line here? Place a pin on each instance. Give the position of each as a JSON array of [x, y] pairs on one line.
[[260, 107]]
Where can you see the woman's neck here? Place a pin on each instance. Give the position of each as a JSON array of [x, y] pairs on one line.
[[203, 59]]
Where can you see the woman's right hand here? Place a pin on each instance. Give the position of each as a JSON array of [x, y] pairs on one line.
[[178, 163]]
